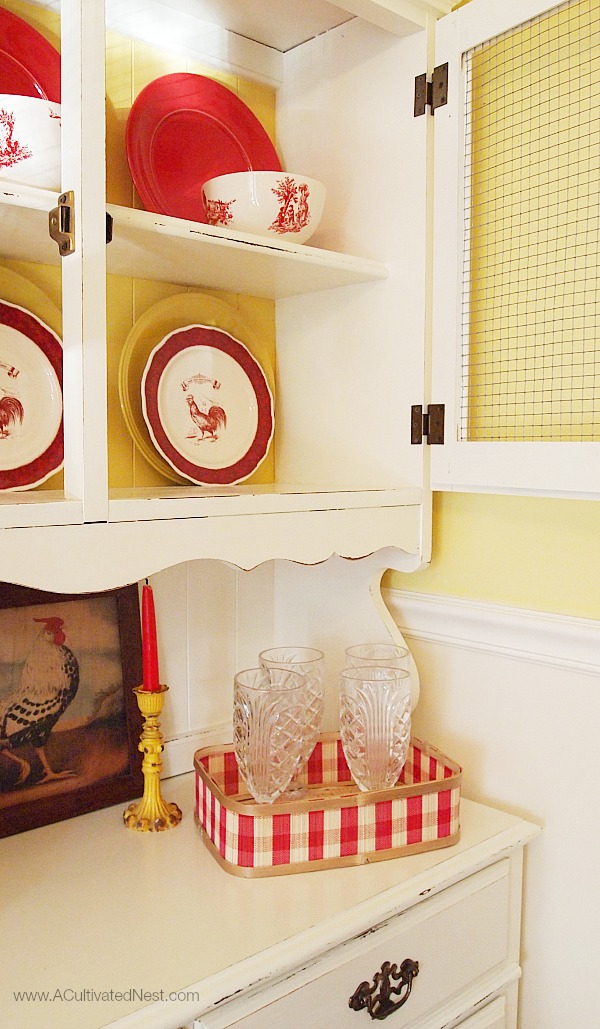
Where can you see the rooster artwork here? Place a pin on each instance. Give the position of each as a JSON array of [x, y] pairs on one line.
[[48, 683], [209, 419]]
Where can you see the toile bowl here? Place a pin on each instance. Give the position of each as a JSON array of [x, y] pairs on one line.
[[279, 205]]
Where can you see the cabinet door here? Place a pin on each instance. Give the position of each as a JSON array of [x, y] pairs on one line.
[[516, 360]]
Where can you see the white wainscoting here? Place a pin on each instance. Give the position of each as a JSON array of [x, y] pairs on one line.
[[561, 640], [514, 696]]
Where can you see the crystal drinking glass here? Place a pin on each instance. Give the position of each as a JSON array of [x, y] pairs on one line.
[[309, 662], [389, 655], [268, 718], [375, 724]]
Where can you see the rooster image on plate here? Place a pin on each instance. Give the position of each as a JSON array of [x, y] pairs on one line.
[[207, 405], [31, 404]]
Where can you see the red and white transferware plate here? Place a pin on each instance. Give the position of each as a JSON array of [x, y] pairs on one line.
[[184, 129], [207, 405], [31, 408], [29, 64]]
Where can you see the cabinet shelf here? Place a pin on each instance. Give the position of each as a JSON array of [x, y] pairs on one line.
[[38, 508], [202, 502], [24, 224], [151, 246], [147, 534]]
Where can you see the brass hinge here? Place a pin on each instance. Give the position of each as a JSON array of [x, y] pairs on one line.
[[429, 423], [432, 94], [61, 223]]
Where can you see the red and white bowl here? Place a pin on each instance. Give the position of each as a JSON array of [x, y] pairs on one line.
[[277, 204], [30, 141]]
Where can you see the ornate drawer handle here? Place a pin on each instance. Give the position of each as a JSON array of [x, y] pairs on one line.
[[380, 1005]]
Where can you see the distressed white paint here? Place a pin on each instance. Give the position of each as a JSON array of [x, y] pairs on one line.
[[217, 933]]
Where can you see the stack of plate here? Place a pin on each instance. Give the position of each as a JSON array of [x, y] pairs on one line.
[[196, 400]]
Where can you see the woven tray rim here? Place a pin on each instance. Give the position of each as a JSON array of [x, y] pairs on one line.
[[355, 799]]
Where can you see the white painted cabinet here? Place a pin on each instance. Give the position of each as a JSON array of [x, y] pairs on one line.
[[168, 939], [350, 309], [355, 309], [242, 564]]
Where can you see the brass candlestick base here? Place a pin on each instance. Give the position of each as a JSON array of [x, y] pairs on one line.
[[151, 813]]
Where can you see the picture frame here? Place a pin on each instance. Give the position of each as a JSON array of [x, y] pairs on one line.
[[69, 720]]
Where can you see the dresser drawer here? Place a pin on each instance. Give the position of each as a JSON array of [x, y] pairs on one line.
[[492, 1016], [456, 937]]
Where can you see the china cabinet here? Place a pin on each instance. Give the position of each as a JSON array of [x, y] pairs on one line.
[[342, 479], [349, 310], [298, 549]]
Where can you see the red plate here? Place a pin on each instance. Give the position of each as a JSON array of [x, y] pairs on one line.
[[29, 64], [207, 405], [184, 129]]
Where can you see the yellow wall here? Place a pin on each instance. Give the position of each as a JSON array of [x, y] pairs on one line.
[[529, 552]]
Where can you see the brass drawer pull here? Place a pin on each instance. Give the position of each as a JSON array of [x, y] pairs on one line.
[[379, 1004]]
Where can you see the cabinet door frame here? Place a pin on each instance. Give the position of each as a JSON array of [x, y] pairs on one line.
[[84, 271], [546, 468]]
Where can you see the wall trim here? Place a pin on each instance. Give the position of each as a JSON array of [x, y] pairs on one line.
[[552, 639]]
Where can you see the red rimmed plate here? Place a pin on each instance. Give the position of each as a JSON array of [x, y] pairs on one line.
[[29, 64], [207, 405], [31, 408], [184, 129]]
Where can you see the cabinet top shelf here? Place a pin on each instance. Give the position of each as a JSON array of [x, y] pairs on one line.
[[280, 24]]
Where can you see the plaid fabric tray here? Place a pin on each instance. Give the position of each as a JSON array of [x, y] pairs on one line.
[[332, 823]]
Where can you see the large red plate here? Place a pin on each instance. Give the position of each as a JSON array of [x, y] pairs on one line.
[[184, 129], [29, 64]]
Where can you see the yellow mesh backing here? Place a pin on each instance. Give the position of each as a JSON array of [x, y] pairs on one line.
[[531, 299]]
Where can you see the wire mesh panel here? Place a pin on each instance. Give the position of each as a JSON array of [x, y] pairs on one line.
[[531, 294]]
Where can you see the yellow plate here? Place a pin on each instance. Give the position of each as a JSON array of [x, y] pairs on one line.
[[15, 289], [149, 330]]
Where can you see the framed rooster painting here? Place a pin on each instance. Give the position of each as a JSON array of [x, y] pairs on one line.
[[69, 722]]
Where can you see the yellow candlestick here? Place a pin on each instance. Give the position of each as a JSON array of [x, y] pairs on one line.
[[151, 813]]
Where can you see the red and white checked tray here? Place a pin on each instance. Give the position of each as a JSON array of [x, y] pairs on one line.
[[333, 823]]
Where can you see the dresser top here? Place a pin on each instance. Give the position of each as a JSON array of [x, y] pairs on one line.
[[91, 909]]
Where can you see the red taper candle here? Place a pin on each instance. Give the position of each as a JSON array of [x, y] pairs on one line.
[[149, 645]]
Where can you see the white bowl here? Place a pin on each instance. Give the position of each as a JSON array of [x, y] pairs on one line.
[[30, 141], [267, 203]]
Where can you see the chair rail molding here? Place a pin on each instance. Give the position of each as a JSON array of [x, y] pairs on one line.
[[512, 632]]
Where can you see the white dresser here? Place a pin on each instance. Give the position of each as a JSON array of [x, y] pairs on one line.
[[147, 931]]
